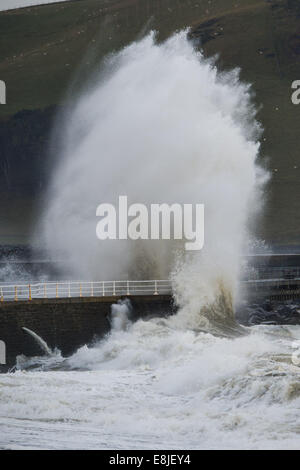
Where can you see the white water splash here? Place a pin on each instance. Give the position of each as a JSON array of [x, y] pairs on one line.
[[161, 124], [42, 343], [120, 315]]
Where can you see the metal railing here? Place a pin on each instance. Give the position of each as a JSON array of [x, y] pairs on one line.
[[273, 282], [64, 289], [262, 272]]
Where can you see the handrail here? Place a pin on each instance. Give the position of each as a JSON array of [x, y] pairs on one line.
[[63, 289], [69, 289]]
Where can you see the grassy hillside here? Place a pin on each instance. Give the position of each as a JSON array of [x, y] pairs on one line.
[[41, 48]]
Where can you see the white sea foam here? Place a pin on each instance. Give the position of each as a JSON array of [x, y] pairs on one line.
[[160, 125], [150, 386]]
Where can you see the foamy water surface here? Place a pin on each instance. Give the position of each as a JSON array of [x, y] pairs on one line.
[[152, 386]]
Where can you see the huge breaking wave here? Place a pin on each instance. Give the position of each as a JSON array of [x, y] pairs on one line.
[[161, 125]]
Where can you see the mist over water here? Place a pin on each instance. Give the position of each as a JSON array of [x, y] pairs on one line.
[[161, 125]]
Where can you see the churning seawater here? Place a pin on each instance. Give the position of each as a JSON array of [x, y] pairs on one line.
[[160, 124], [152, 386]]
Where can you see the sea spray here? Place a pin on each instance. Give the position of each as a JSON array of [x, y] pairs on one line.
[[50, 359], [161, 125], [120, 315], [147, 390]]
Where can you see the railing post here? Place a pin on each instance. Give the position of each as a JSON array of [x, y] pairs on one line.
[[69, 290], [114, 287], [92, 289], [56, 290], [2, 296], [16, 293], [45, 291], [29, 293], [80, 290], [155, 288], [103, 289], [128, 293]]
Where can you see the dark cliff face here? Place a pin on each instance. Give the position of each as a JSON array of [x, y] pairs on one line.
[[43, 48], [24, 144], [24, 171]]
